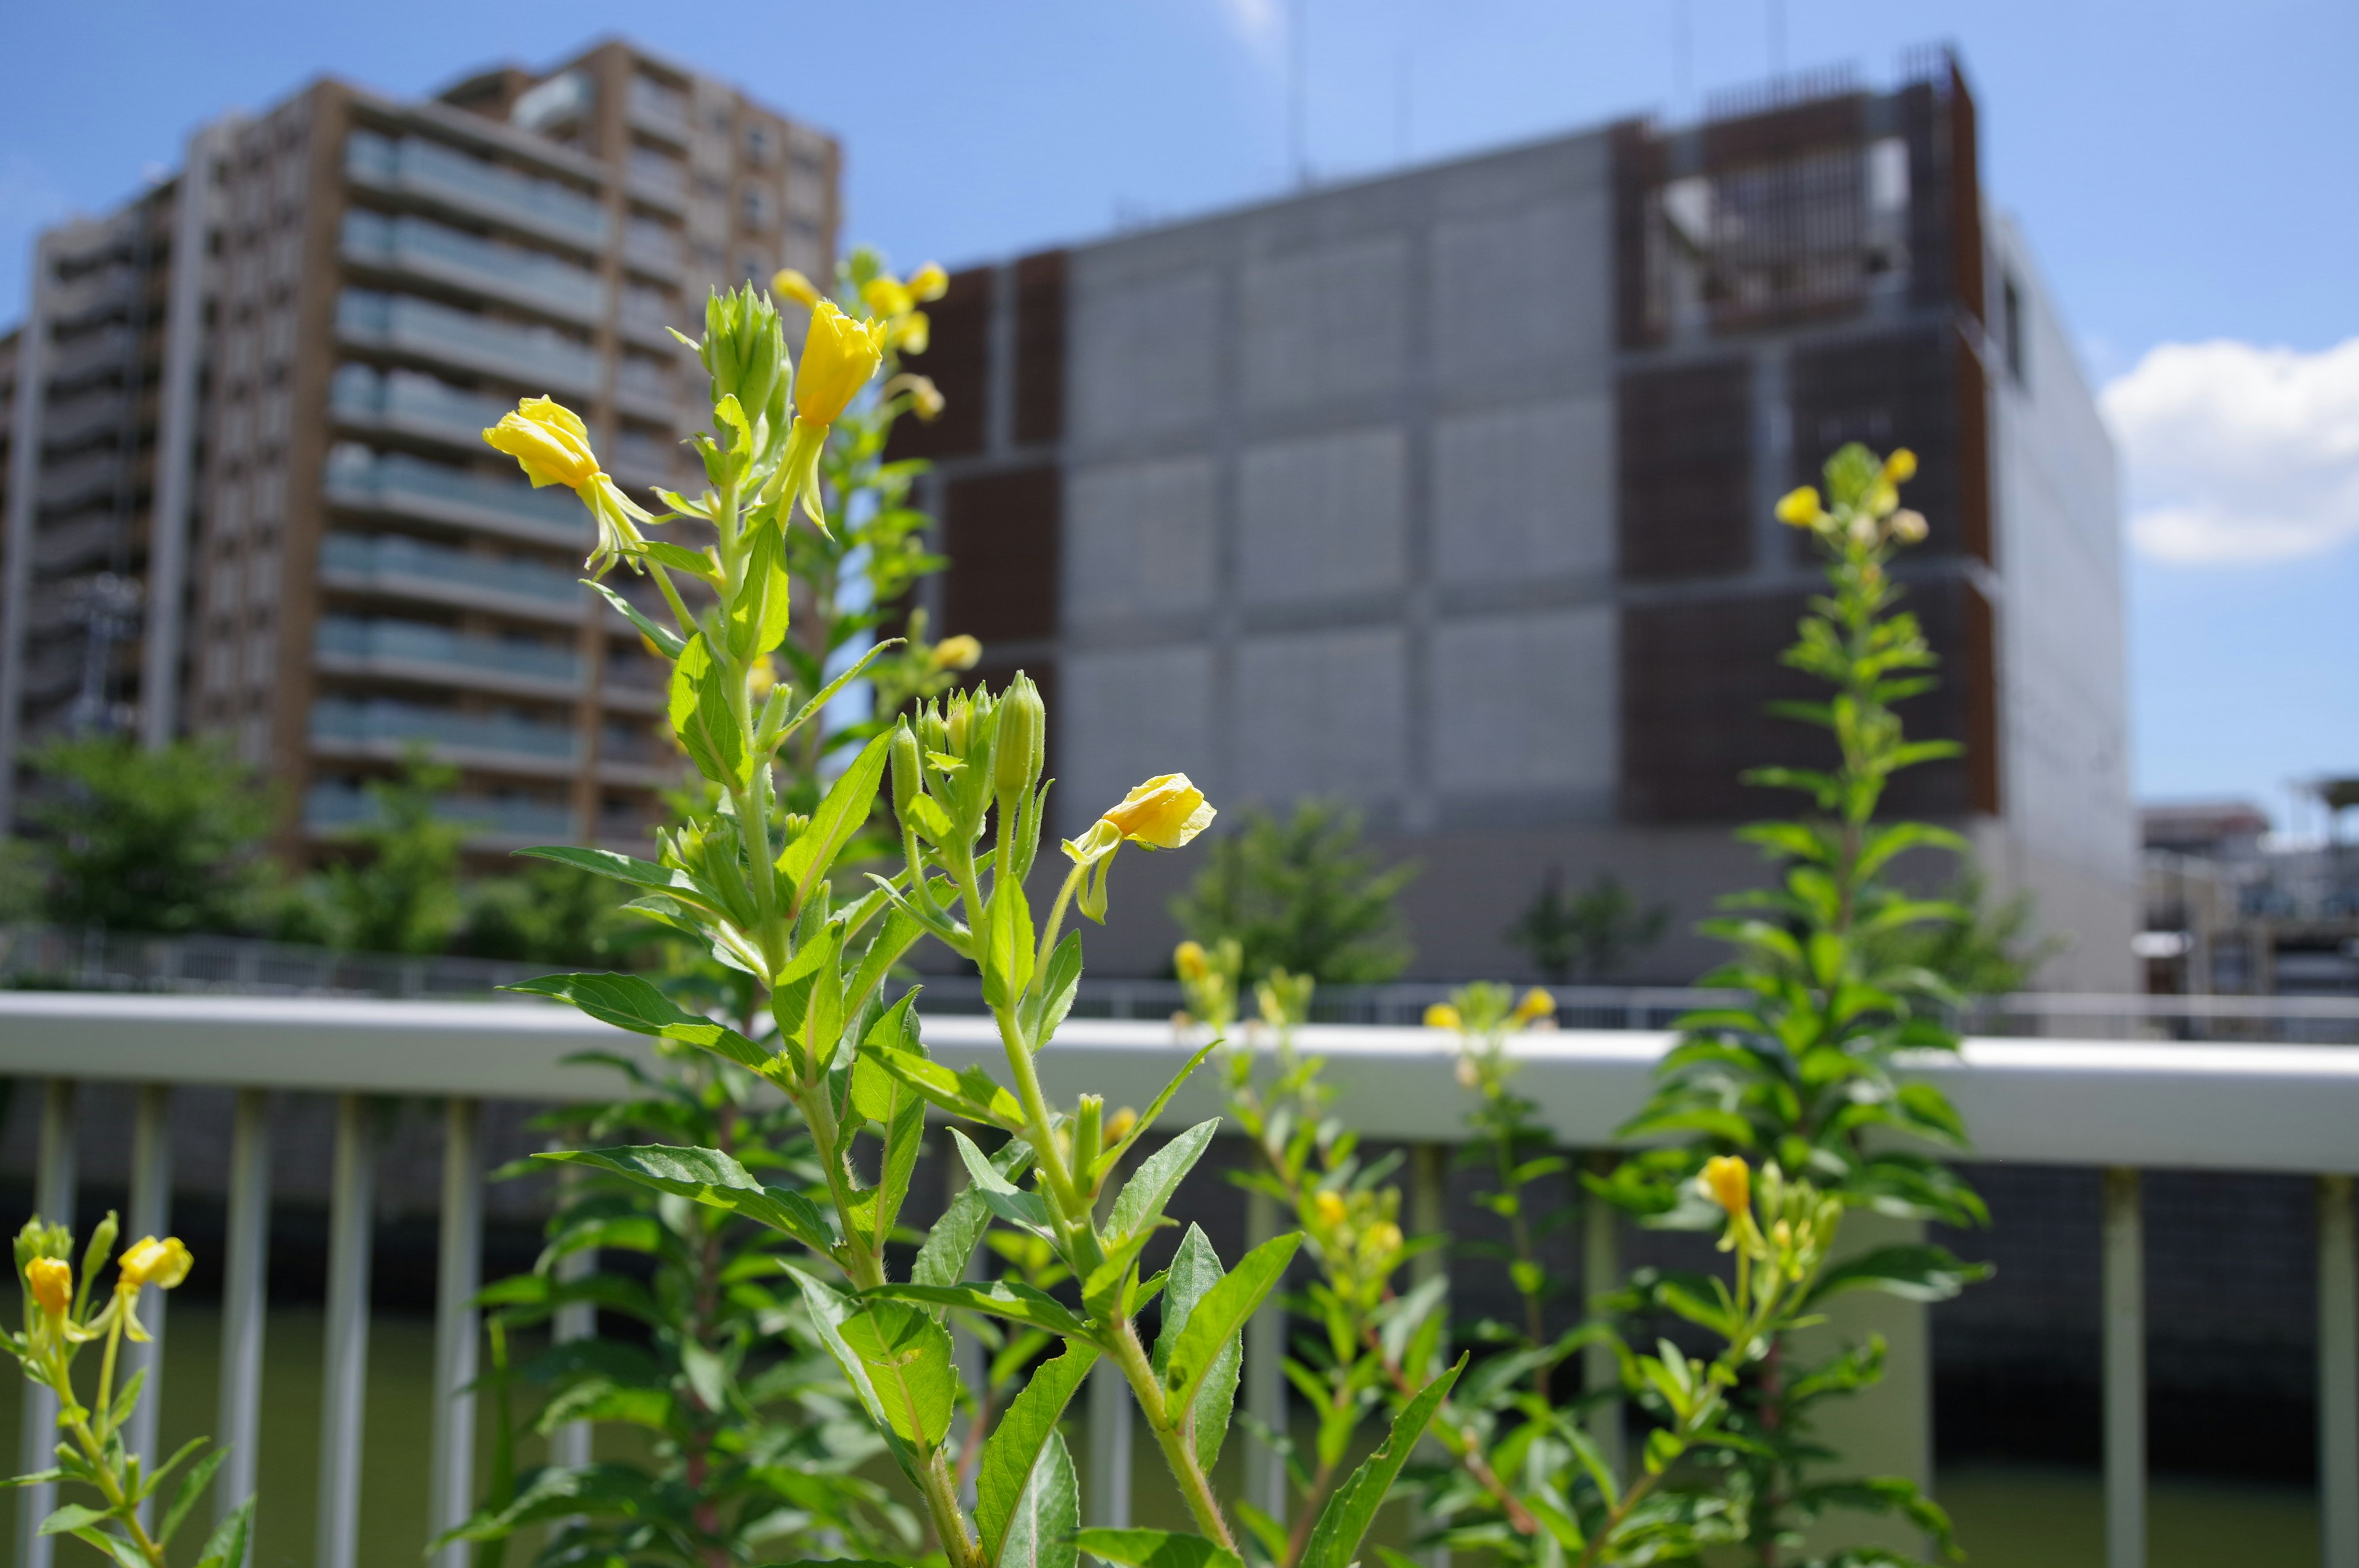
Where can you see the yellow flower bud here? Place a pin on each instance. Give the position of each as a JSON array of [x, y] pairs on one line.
[[885, 295], [149, 1262], [1537, 1004], [52, 1281], [1908, 526], [928, 282], [1162, 814], [912, 331], [1728, 1182], [924, 398], [1441, 1015], [795, 286], [1385, 1240], [1119, 1124], [1189, 960], [1328, 1206], [1901, 466], [960, 652], [548, 441], [1799, 506], [839, 356]]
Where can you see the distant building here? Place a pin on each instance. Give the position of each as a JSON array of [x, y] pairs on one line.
[[2230, 913], [246, 493], [1450, 493]]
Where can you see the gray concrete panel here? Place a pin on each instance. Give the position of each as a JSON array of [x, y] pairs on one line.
[[1124, 716], [1527, 286], [1322, 517], [1138, 543], [1524, 492], [1325, 323], [1526, 704], [1142, 361], [1320, 713]]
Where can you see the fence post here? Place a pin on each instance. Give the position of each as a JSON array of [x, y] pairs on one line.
[[2338, 1377], [53, 1198], [1429, 1206], [244, 1301], [456, 1328], [151, 1215], [344, 1375], [570, 1444], [2125, 1370], [1601, 1270], [1109, 1439], [1266, 1372]]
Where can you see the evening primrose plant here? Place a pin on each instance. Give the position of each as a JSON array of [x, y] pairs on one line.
[[57, 1323], [771, 893]]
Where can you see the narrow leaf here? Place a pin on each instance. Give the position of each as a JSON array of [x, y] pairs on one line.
[[1010, 1458], [629, 1003], [711, 1177], [1335, 1539], [1141, 1202], [1155, 1548], [1221, 1312]]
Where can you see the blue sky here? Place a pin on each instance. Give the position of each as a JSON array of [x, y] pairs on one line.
[[2184, 171]]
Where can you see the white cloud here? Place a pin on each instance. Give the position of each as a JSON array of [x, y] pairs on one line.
[[1255, 22], [2238, 453]]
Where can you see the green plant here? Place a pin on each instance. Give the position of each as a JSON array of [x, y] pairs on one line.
[[166, 840], [547, 915], [1585, 937], [1804, 1071], [753, 881], [400, 893], [58, 1324], [1302, 896], [1993, 949]]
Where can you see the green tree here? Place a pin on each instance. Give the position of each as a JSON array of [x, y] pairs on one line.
[[166, 840], [400, 894], [547, 915], [1300, 895], [1585, 937]]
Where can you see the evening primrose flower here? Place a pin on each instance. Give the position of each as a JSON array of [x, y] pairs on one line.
[[795, 286], [1900, 467], [1384, 1239], [838, 357], [958, 652], [1119, 1124], [1441, 1015], [552, 444], [1330, 1209], [1907, 526], [885, 295], [1537, 1004], [1799, 506], [51, 1280], [929, 282], [910, 332], [149, 1262], [1728, 1182], [1164, 813], [1189, 961]]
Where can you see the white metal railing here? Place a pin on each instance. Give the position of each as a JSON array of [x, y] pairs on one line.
[[2117, 1106]]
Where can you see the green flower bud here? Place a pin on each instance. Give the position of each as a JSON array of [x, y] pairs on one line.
[[909, 769], [1023, 738], [744, 353]]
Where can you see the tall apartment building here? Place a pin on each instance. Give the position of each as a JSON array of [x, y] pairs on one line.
[[247, 493], [1450, 493]]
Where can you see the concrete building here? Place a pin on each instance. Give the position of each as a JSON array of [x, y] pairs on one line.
[[1449, 493], [246, 492], [2232, 910]]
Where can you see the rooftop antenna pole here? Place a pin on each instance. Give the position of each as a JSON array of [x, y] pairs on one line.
[[1297, 135]]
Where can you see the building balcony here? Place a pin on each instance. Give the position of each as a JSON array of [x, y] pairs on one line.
[[412, 404], [657, 181], [384, 729], [422, 249], [421, 651], [79, 480], [432, 172], [652, 249], [533, 358], [403, 486], [65, 423], [658, 110], [492, 821], [88, 355], [402, 568]]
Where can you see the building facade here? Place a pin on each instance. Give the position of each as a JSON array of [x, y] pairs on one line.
[[1450, 494], [246, 491]]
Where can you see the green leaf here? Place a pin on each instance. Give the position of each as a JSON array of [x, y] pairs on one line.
[[1335, 1539], [225, 1548], [1010, 1458], [73, 1517], [1913, 1271], [699, 709], [1195, 1270], [907, 1356], [1044, 1010], [1221, 1312], [827, 694], [663, 637], [711, 1177], [942, 1261], [758, 616], [629, 1003], [848, 803], [1155, 1548], [680, 559], [622, 867], [115, 1546], [1040, 1532], [830, 1314], [969, 1093], [1141, 1202], [192, 1486], [1008, 943], [1010, 1299], [1107, 1160], [1028, 1210], [609, 1491]]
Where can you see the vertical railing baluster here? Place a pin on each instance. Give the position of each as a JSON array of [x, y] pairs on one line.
[[569, 1446], [456, 1326], [2338, 1376], [1109, 1439], [2125, 1370], [151, 1215], [244, 1301], [53, 1198], [345, 1374], [1265, 1372], [1428, 1215], [1601, 1270]]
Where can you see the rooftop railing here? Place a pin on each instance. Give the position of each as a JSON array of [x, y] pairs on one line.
[[2118, 1106], [426, 168]]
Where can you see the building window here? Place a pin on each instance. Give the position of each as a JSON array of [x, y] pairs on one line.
[[758, 144], [755, 204], [2010, 325]]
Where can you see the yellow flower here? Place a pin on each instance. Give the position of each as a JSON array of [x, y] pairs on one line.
[[1441, 1015], [795, 286], [1119, 1124], [885, 295], [1537, 1004], [548, 441], [1163, 813], [960, 652], [1799, 506], [149, 1262], [1330, 1209], [1901, 466], [839, 356], [1383, 1239], [1189, 960], [1728, 1182], [51, 1282], [928, 282], [911, 332]]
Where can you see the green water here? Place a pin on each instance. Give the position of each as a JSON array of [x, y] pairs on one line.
[[2008, 1517]]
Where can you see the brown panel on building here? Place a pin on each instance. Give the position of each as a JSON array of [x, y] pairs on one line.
[[1965, 196], [1685, 486], [1973, 454], [1977, 673], [1697, 678], [1784, 133], [958, 358], [1000, 533], [1900, 389], [1041, 349], [1637, 171]]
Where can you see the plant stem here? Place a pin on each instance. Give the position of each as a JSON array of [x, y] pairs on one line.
[[1178, 1453]]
